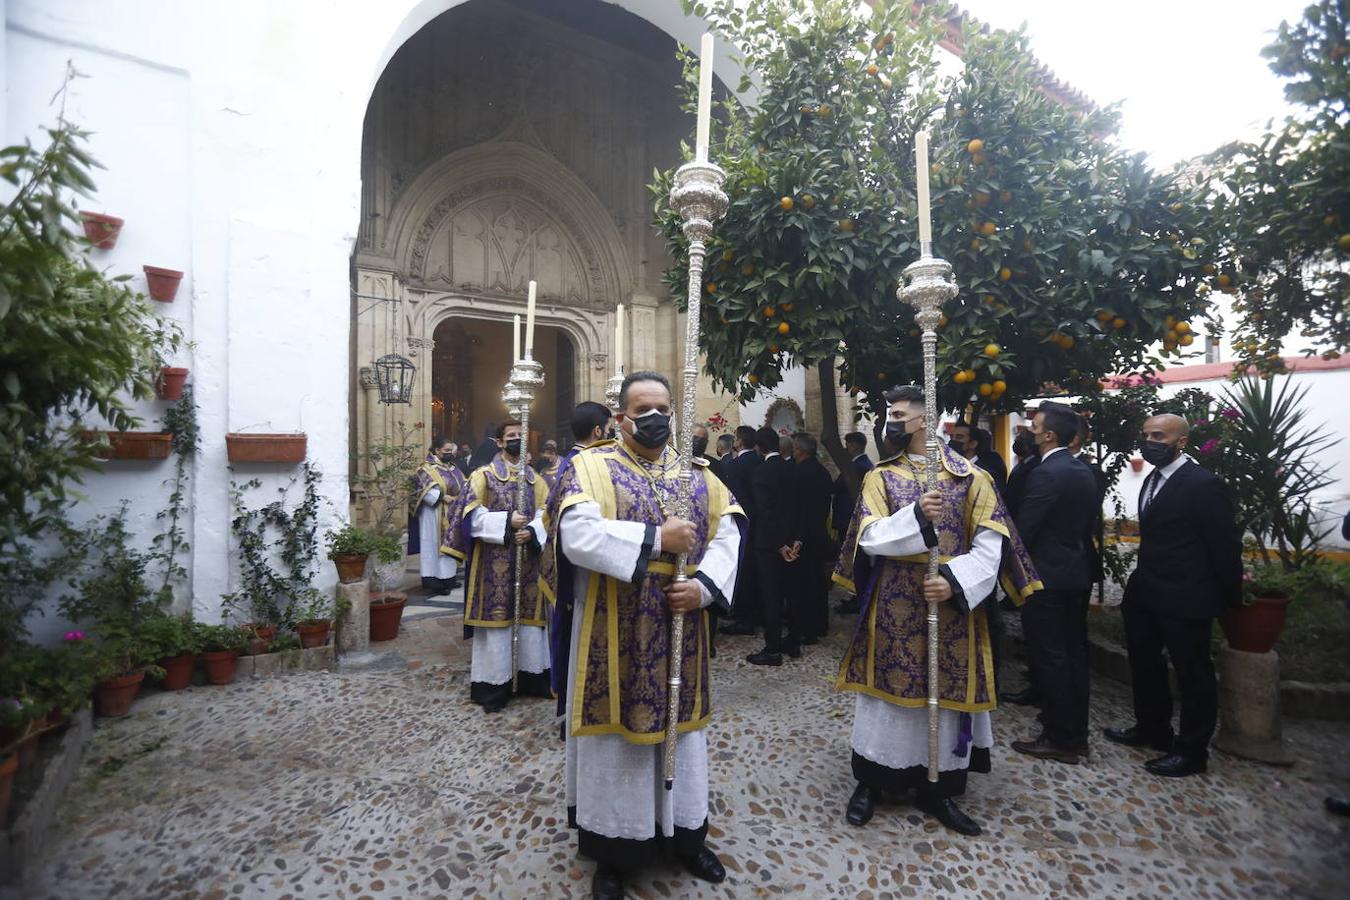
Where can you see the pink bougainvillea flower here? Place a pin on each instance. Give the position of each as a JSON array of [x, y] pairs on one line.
[[1229, 413], [73, 636]]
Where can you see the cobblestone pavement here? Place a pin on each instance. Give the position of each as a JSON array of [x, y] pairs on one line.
[[389, 783]]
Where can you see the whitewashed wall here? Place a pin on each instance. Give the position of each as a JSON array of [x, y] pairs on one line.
[[232, 139]]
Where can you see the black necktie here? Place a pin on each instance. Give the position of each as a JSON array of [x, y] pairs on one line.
[[1153, 479]]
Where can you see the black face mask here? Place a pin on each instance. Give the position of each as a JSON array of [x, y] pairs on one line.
[[1157, 453], [651, 429], [898, 437], [1023, 445], [512, 448], [447, 458], [700, 446]]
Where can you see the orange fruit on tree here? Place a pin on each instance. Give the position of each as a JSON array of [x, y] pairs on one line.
[[1103, 315], [1329, 219], [847, 225], [988, 228], [773, 348], [752, 378], [872, 69], [976, 243], [975, 146], [1005, 196], [970, 375], [786, 204], [784, 328], [712, 287], [1343, 242], [1225, 280], [825, 109], [1000, 386], [978, 159], [1183, 328], [1209, 268], [992, 350], [747, 269], [1066, 341], [1171, 336], [1118, 322], [728, 255], [769, 312], [1186, 340], [989, 299], [808, 201], [986, 389], [982, 197], [1169, 320], [1005, 274], [788, 306], [960, 376]]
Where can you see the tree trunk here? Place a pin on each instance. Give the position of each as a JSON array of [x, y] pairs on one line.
[[829, 428]]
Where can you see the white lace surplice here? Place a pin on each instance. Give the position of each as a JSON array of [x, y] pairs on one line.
[[617, 787], [491, 663], [895, 736], [432, 562]]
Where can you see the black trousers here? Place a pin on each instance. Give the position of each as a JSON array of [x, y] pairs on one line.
[[1147, 634], [1055, 626], [994, 616], [745, 604], [769, 572], [808, 593]]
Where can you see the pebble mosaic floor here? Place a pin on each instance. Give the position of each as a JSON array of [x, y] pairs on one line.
[[386, 784]]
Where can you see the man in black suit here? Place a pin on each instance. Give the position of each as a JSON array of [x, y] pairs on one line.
[[724, 451], [1055, 522], [975, 444], [807, 580], [855, 442], [1096, 547], [1188, 571], [700, 448], [771, 543], [1027, 460], [738, 473]]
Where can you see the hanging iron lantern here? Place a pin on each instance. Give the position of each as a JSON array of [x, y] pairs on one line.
[[395, 375]]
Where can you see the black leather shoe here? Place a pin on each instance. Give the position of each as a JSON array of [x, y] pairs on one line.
[[1026, 697], [860, 806], [606, 883], [706, 866], [494, 707], [1135, 736], [1177, 765], [737, 628], [1044, 748], [1339, 805], [765, 657], [945, 810]]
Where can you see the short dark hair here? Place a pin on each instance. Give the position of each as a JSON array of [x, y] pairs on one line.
[[501, 429], [1061, 420], [587, 417], [1084, 428], [766, 439], [746, 434], [551, 445], [979, 436], [644, 375], [806, 443], [855, 439], [724, 440], [905, 393], [439, 440]]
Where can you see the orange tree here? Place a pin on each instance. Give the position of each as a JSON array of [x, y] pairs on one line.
[[1282, 207], [1073, 257]]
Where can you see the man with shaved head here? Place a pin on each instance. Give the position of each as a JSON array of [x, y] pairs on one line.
[[1189, 569]]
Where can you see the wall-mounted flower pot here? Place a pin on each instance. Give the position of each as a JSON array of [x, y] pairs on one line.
[[162, 283], [267, 448], [1137, 463], [133, 444], [169, 384], [102, 230]]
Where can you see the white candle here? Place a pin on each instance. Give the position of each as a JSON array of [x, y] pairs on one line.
[[515, 338], [705, 67], [925, 219], [529, 323], [618, 342]]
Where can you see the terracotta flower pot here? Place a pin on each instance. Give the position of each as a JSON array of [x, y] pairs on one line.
[[351, 567], [1137, 463], [1254, 628], [8, 766], [115, 696], [178, 671], [386, 611], [313, 634], [101, 229], [162, 283], [56, 719], [28, 748], [221, 665], [143, 445], [169, 385], [273, 448]]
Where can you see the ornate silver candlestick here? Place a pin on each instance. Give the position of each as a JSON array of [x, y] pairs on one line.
[[929, 285], [698, 197], [612, 389], [527, 376]]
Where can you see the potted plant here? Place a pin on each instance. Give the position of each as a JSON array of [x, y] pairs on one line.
[[101, 229], [386, 613], [388, 569], [220, 647], [315, 619], [169, 385], [386, 481], [162, 283], [266, 448], [177, 644], [349, 547], [1256, 625]]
